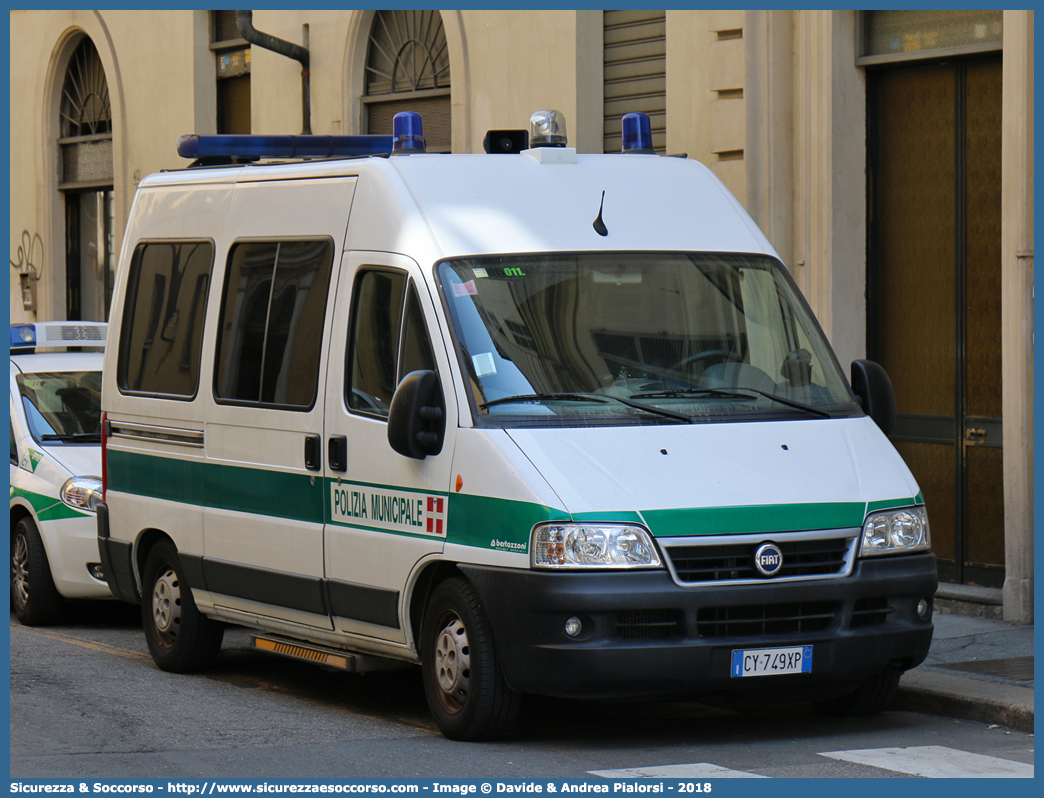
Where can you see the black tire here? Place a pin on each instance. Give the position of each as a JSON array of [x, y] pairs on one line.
[[181, 639], [463, 679], [35, 599], [872, 696]]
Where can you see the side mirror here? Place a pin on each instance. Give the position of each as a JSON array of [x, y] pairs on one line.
[[875, 393], [416, 423]]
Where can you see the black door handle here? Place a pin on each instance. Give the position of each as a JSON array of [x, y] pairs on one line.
[[313, 449], [337, 453]]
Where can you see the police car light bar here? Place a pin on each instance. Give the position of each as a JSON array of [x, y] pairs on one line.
[[637, 134], [58, 335], [224, 145]]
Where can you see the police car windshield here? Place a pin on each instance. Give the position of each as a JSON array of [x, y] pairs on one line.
[[709, 335], [62, 407]]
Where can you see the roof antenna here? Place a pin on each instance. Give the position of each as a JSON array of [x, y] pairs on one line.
[[598, 224]]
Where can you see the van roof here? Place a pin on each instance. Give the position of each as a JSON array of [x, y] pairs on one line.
[[490, 204]]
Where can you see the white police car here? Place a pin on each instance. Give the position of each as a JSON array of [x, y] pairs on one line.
[[55, 466]]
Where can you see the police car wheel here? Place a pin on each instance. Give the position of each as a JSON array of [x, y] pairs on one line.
[[180, 638], [872, 696], [35, 599], [463, 679]]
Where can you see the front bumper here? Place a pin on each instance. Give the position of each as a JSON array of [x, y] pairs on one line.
[[644, 635]]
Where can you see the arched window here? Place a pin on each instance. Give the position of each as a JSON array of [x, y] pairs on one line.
[[85, 180], [407, 69]]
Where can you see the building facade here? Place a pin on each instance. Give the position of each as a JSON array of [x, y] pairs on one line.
[[887, 155]]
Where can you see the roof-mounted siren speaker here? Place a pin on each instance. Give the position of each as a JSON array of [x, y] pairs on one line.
[[547, 129], [505, 142], [408, 134], [637, 134]]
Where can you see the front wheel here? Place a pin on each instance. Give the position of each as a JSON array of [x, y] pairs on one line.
[[872, 696], [181, 639], [463, 679], [35, 599]]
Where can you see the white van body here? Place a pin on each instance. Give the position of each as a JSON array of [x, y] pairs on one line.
[[346, 556]]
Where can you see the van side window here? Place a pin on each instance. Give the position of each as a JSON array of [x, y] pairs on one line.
[[162, 331], [272, 313], [376, 363], [416, 346], [14, 447]]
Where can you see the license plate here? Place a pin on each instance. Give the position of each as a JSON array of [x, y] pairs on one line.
[[771, 661]]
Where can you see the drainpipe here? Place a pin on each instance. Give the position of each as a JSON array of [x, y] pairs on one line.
[[245, 20]]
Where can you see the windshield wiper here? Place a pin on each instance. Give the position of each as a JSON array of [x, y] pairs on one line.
[[690, 392], [729, 394], [587, 397], [537, 397], [72, 437]]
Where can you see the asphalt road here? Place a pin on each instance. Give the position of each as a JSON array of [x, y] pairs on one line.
[[88, 702]]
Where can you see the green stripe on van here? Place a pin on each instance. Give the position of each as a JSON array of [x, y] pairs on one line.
[[891, 504], [754, 518], [246, 490], [47, 508], [484, 522]]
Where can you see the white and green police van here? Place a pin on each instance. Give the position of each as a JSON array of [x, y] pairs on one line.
[[55, 408], [539, 421]]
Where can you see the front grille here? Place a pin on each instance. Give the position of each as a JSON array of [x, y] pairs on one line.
[[870, 612], [648, 624], [766, 619], [729, 562]]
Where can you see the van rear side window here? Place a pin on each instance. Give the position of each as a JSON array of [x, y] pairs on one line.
[[162, 332], [272, 312]]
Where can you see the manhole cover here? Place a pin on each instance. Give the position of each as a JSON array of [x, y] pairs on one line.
[[1020, 668]]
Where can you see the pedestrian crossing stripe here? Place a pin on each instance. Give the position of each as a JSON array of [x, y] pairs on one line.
[[936, 762], [699, 770], [927, 761]]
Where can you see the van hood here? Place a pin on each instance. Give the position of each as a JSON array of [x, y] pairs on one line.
[[723, 478], [79, 461]]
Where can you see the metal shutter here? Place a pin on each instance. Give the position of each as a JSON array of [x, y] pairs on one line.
[[634, 72]]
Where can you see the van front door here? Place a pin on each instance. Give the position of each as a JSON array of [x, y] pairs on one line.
[[385, 512]]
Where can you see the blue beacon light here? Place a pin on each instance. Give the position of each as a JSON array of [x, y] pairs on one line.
[[637, 134], [407, 134], [23, 336]]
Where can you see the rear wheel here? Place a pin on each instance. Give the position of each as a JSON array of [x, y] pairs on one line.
[[181, 639], [872, 696], [35, 599], [463, 680]]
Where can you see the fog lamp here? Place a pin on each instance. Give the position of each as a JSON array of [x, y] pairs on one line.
[[573, 626]]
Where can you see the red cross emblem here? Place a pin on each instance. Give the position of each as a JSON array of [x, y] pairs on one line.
[[436, 515]]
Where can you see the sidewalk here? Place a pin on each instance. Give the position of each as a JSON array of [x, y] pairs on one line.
[[977, 669]]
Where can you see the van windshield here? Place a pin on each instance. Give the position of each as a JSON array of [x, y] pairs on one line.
[[637, 338]]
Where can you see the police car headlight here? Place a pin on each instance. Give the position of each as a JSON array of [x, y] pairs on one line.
[[82, 493], [593, 546], [895, 532]]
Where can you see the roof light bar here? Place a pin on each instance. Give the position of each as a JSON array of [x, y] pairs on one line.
[[253, 147], [408, 134], [637, 134]]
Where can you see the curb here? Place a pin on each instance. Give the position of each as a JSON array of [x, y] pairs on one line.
[[956, 696]]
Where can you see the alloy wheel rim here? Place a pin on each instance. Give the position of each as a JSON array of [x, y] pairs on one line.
[[20, 571], [453, 661], [166, 603]]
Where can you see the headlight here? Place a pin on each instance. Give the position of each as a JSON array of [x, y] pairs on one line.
[[896, 531], [83, 493], [590, 546]]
